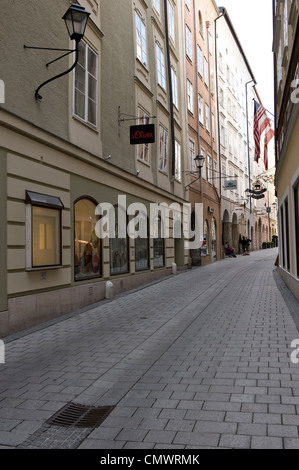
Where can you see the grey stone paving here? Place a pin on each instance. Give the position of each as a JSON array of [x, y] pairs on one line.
[[198, 360]]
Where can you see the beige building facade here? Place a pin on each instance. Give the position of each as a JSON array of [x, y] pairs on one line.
[[286, 53], [67, 157]]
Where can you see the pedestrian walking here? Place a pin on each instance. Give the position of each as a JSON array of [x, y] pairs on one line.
[[244, 245]]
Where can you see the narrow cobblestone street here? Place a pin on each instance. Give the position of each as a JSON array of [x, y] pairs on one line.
[[198, 360]]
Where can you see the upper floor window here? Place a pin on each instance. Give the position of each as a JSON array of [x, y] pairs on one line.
[[190, 96], [206, 72], [85, 85], [163, 153], [187, 3], [143, 149], [160, 67], [199, 60], [140, 40], [177, 161], [174, 81], [171, 21], [156, 5], [188, 42]]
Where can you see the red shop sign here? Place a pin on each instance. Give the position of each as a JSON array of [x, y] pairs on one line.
[[143, 134]]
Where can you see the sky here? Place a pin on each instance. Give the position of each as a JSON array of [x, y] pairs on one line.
[[252, 21]]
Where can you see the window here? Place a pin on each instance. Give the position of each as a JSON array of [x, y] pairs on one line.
[[171, 21], [156, 5], [203, 170], [206, 72], [187, 3], [43, 231], [163, 152], [200, 109], [174, 81], [188, 43], [158, 243], [199, 60], [88, 259], [118, 250], [192, 156], [140, 40], [213, 126], [210, 43], [200, 22], [190, 96], [85, 85], [142, 251], [210, 172], [143, 149], [207, 118], [177, 161], [160, 67]]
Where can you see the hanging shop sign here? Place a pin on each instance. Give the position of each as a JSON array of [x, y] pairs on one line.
[[143, 134], [231, 184]]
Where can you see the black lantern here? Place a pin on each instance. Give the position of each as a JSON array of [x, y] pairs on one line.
[[199, 161], [75, 19]]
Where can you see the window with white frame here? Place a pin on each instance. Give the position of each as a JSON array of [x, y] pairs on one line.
[[188, 42], [200, 61], [156, 5], [203, 170], [140, 39], [210, 169], [163, 150], [210, 43], [213, 126], [200, 109], [160, 66], [190, 104], [187, 3], [192, 156], [207, 108], [85, 85], [143, 149], [43, 231], [171, 21], [177, 161], [206, 72], [174, 81]]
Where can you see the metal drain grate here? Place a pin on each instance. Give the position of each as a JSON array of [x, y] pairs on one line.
[[80, 416]]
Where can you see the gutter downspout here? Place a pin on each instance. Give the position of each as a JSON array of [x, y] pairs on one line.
[[170, 93]]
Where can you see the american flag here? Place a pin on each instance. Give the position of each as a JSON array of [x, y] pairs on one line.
[[261, 122]]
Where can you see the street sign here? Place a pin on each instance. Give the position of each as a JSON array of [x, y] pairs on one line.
[[143, 134]]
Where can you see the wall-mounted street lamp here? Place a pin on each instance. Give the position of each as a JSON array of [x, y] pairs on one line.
[[199, 162], [75, 19]]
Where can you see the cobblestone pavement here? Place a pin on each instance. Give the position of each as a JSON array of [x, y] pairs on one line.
[[201, 359]]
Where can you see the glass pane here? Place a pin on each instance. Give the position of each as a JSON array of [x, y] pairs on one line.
[[79, 104], [80, 78], [87, 260], [118, 253], [45, 236], [141, 253], [92, 118], [92, 63], [81, 59], [92, 88]]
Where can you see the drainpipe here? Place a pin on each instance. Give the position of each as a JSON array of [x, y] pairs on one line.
[[217, 98], [170, 93]]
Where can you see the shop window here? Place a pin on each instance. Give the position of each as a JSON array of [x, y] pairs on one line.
[[142, 252], [88, 259], [43, 231], [158, 243], [119, 263]]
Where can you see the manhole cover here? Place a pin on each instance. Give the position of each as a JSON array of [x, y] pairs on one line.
[[80, 416]]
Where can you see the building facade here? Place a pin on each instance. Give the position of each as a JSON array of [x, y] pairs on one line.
[[202, 123], [286, 72], [67, 157]]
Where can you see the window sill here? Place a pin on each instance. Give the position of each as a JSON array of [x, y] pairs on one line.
[[44, 268], [87, 124]]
